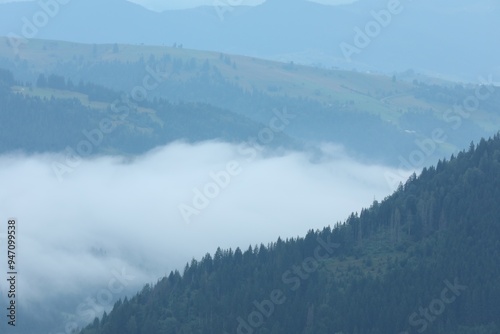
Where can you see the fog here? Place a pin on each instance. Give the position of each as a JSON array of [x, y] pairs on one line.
[[115, 216]]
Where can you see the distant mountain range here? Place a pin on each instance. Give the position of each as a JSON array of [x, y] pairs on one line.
[[380, 119], [448, 38]]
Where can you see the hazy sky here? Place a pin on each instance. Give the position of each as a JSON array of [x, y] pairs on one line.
[[159, 5], [174, 4], [110, 214]]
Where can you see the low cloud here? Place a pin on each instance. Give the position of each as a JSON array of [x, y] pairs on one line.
[[114, 213]]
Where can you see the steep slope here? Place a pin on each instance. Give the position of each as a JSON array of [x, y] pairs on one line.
[[427, 258]]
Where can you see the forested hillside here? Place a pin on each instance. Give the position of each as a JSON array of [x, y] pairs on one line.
[[375, 117], [427, 258], [54, 114]]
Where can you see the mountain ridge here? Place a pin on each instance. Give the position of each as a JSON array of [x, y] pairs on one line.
[[381, 111], [221, 30]]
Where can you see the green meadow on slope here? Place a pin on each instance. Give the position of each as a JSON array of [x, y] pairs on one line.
[[375, 117]]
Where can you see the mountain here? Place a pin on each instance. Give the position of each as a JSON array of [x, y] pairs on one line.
[[380, 119], [66, 116], [320, 109], [426, 258], [306, 32]]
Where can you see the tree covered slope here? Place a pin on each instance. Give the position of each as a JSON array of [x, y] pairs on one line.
[[375, 117], [425, 259], [55, 115]]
